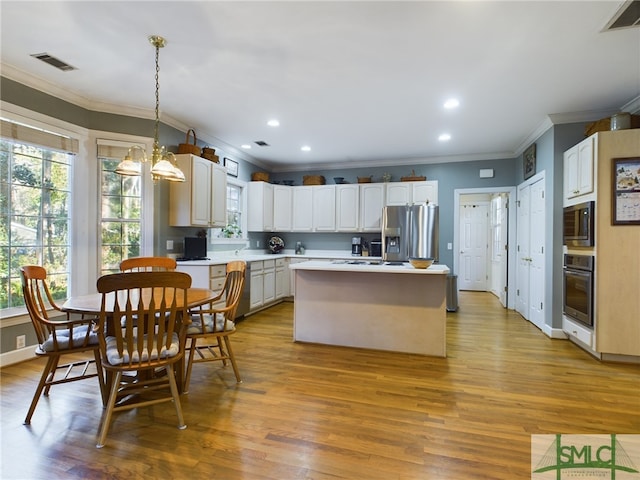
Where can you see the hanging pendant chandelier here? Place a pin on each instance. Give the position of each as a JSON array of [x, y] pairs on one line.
[[163, 163]]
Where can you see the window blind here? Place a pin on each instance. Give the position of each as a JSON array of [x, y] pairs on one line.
[[34, 136]]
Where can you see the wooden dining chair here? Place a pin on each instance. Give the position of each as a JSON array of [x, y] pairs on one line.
[[142, 347], [58, 337], [148, 264], [213, 323]]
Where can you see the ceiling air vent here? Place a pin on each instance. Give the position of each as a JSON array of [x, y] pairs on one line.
[[262, 143], [53, 61], [627, 16]]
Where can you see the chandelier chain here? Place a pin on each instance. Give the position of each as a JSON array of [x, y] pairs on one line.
[[157, 124]]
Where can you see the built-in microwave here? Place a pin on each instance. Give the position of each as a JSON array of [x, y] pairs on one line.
[[578, 225]]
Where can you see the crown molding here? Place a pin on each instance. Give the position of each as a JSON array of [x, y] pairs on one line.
[[633, 106], [392, 162], [49, 88]]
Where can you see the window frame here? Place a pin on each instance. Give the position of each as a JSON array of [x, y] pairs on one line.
[[146, 220], [21, 115]]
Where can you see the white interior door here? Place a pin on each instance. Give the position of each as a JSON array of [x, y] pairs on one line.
[[473, 246], [499, 246], [536, 254], [523, 240]]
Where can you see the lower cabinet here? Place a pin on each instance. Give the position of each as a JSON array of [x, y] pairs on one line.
[[217, 276], [256, 297], [282, 278], [268, 283]]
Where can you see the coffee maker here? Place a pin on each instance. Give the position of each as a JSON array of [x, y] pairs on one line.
[[356, 246]]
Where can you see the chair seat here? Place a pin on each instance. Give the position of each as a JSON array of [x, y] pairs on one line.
[[195, 327], [79, 336], [114, 358]]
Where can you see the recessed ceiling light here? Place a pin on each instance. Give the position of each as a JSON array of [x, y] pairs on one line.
[[451, 103], [245, 146], [273, 123], [444, 137], [305, 148]]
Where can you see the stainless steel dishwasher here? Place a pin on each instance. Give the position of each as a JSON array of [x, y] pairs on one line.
[[245, 300]]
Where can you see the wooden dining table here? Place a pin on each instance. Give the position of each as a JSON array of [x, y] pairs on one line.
[[91, 304]]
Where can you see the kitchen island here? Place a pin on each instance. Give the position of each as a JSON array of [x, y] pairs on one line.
[[371, 305]]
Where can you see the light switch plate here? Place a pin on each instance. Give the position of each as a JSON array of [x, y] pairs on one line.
[[449, 246], [169, 244]]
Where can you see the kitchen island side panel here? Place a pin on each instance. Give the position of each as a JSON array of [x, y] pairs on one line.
[[381, 311]]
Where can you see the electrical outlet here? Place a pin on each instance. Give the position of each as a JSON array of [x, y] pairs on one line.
[[257, 243], [449, 246], [21, 341], [169, 244]]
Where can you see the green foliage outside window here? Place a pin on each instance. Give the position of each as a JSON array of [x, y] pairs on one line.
[[34, 218], [121, 216]]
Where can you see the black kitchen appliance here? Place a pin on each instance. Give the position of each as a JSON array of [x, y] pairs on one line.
[[578, 225], [375, 248], [356, 246], [195, 248], [578, 288]]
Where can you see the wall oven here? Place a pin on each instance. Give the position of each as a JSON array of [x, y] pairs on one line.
[[578, 288]]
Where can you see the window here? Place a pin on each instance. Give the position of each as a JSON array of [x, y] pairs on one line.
[[35, 205], [120, 210], [236, 220], [234, 204]]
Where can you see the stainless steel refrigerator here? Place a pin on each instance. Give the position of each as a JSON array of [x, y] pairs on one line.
[[410, 231]]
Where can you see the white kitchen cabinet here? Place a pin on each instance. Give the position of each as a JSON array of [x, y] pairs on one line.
[[282, 209], [206, 276], [324, 208], [282, 278], [256, 292], [424, 192], [201, 200], [403, 193], [398, 193], [578, 170], [347, 208], [219, 196], [302, 209], [269, 282], [372, 199], [260, 207]]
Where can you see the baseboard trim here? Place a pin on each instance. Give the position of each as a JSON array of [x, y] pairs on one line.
[[17, 356]]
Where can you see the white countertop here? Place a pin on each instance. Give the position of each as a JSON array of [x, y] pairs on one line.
[[364, 266], [256, 256]]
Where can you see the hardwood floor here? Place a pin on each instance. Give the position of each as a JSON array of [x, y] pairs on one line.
[[318, 412]]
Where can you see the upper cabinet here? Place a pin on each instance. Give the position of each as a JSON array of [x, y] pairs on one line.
[[201, 200], [578, 170], [324, 208], [260, 207], [403, 193], [372, 198], [347, 208], [302, 208], [282, 208], [330, 208]]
